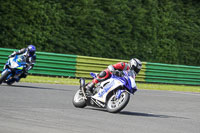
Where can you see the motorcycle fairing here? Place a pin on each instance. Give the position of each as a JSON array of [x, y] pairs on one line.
[[111, 84], [16, 63]]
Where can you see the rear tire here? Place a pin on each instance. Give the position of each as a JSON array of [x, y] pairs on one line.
[[116, 105], [4, 76], [78, 100]]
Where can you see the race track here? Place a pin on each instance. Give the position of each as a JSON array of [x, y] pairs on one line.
[[47, 108]]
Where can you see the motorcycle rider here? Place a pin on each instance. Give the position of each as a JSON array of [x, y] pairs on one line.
[[134, 64], [30, 55]]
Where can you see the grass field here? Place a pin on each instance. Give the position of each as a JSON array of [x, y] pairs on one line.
[[71, 81]]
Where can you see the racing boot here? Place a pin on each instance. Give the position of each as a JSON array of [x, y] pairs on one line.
[[23, 75], [89, 88]]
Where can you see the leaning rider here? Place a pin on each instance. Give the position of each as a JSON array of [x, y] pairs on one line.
[[30, 55], [134, 64]]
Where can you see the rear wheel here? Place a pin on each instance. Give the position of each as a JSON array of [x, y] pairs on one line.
[[3, 76], [78, 100], [115, 105]]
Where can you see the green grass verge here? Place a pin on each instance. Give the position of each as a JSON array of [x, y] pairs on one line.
[[184, 88], [70, 81]]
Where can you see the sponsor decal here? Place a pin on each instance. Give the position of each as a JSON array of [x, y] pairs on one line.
[[105, 89]]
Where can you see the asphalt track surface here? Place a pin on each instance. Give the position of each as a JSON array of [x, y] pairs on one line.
[[47, 108]]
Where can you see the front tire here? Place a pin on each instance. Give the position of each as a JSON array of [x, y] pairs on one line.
[[116, 105], [4, 76], [78, 100], [11, 82]]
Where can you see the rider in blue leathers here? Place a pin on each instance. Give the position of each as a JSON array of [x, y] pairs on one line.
[[30, 55]]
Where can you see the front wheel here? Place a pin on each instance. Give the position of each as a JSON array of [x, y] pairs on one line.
[[78, 100], [4, 75], [10, 82], [115, 105]]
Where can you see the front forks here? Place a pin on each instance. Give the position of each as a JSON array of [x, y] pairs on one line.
[[118, 93]]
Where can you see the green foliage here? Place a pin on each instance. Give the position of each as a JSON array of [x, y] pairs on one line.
[[164, 31]]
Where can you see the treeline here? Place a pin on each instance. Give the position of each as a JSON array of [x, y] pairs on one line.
[[164, 31]]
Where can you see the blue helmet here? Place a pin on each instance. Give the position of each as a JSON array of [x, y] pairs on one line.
[[31, 50]]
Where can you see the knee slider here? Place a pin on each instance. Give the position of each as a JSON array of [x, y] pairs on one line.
[[102, 74]]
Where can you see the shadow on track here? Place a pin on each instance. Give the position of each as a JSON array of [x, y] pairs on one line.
[[96, 108], [148, 115], [135, 113], [34, 87]]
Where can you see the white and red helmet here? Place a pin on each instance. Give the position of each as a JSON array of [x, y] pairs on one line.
[[135, 64]]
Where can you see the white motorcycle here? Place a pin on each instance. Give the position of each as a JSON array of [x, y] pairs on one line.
[[112, 94]]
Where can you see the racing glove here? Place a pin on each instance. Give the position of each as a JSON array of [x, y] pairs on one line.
[[118, 73], [12, 55]]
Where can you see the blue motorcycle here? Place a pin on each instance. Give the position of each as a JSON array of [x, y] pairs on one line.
[[112, 94], [13, 69]]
